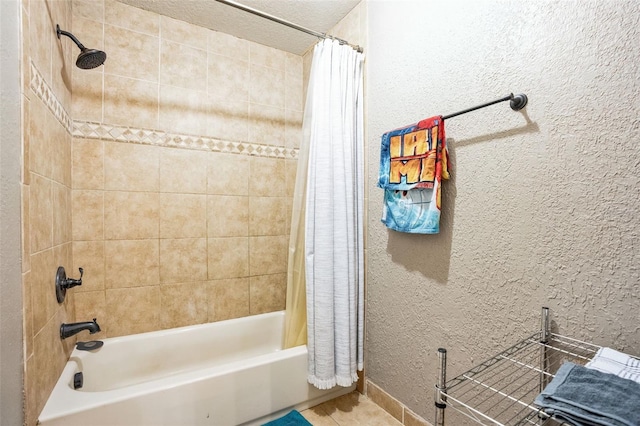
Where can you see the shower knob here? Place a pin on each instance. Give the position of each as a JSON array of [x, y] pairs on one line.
[[63, 283]]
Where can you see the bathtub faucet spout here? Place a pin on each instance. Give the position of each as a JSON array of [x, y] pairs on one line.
[[68, 330]]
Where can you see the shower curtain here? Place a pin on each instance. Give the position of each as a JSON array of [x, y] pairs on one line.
[[328, 208]]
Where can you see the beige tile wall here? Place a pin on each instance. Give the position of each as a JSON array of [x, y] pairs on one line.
[[176, 236], [46, 195]]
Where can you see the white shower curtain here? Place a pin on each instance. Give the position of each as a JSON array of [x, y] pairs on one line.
[[334, 269]]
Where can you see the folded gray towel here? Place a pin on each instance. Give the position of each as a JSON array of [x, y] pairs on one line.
[[587, 397]]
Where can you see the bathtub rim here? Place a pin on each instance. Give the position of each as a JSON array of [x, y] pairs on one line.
[[57, 404]]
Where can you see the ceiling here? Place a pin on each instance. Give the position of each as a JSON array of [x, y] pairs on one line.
[[317, 15]]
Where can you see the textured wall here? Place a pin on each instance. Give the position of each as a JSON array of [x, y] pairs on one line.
[[542, 208], [11, 347]]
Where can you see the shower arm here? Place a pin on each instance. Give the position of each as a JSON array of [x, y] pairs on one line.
[[71, 36]]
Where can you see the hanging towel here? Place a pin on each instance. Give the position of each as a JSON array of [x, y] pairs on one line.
[[610, 361], [587, 397], [413, 162]]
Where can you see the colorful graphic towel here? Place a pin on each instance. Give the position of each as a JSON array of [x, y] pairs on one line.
[[413, 162]]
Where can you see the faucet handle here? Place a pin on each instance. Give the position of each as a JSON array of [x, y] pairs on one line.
[[70, 282], [63, 283]]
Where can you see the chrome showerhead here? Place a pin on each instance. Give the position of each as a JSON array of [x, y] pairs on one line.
[[88, 58]]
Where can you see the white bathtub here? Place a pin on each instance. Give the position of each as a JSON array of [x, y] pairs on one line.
[[225, 373]]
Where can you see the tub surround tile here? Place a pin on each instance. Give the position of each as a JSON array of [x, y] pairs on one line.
[[266, 86], [294, 66], [293, 129], [180, 308], [267, 125], [61, 152], [267, 177], [183, 171], [287, 220], [131, 215], [87, 223], [40, 213], [183, 32], [41, 35], [87, 89], [228, 174], [133, 310], [227, 78], [42, 90], [227, 216], [183, 216], [51, 354], [290, 171], [228, 299], [89, 255], [267, 56], [133, 263], [131, 18], [183, 260], [183, 66], [123, 164], [228, 45], [293, 92], [89, 305], [131, 54], [228, 257], [183, 110], [130, 102], [61, 199], [171, 189], [161, 138], [68, 311], [266, 215], [40, 150], [268, 255], [267, 293], [62, 55], [91, 33], [228, 120], [89, 9], [87, 164]]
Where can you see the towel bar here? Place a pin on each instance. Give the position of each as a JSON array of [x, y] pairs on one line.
[[517, 103]]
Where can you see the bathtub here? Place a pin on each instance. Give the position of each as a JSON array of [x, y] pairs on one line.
[[226, 373]]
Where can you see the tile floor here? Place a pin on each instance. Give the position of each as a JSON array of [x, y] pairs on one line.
[[353, 409]]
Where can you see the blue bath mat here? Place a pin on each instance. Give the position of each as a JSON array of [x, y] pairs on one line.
[[294, 418]]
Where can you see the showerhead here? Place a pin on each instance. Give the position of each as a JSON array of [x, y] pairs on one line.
[[88, 58]]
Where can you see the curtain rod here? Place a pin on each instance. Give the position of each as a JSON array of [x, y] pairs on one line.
[[287, 23], [517, 103]]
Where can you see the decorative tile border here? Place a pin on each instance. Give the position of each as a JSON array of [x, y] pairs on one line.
[[90, 130], [44, 92]]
